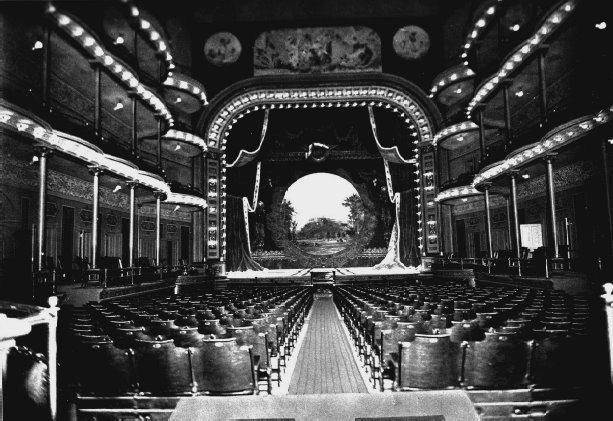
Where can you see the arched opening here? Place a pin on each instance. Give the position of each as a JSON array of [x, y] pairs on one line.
[[322, 214]]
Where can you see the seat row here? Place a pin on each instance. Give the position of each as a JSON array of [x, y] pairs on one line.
[[222, 343], [425, 337]]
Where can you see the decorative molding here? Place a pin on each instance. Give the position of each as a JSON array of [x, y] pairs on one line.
[[323, 97], [564, 178], [317, 50], [555, 139]]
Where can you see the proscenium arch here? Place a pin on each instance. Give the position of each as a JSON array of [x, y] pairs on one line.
[[310, 91]]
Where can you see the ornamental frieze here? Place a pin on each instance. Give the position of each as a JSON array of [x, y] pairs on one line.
[[564, 178]]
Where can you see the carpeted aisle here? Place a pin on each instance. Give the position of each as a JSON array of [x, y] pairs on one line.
[[325, 363]]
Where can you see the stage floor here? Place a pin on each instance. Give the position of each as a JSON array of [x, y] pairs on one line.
[[306, 273]]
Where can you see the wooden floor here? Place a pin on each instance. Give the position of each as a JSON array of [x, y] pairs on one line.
[[325, 363]]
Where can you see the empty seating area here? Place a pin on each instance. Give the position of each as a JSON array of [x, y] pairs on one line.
[[454, 336], [229, 342]]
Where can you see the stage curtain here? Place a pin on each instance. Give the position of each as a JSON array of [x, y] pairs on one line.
[[237, 250], [407, 221]]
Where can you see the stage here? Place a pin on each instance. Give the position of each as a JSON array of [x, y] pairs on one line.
[[335, 275]]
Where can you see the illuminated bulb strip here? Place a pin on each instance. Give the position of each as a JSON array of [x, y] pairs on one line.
[[186, 84], [462, 127], [449, 77], [456, 193], [186, 199], [480, 26], [121, 71], [187, 138], [149, 32], [76, 147], [514, 60], [552, 141], [340, 97]]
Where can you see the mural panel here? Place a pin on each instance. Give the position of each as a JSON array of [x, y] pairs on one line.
[[317, 50]]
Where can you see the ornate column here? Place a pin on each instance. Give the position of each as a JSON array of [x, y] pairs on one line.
[[132, 185], [134, 128], [46, 66], [481, 123], [158, 117], [514, 234], [97, 98], [158, 221], [488, 221], [506, 84], [607, 188], [42, 153], [96, 172], [542, 86], [551, 207]]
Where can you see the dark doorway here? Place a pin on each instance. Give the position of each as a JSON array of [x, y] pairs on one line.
[[461, 237], [67, 249], [169, 260], [125, 241], [477, 243], [185, 244]]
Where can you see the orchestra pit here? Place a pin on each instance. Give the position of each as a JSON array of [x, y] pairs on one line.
[[265, 210]]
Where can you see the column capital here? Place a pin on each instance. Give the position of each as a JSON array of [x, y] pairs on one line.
[[542, 48], [132, 184], [95, 63], [95, 170], [159, 195], [486, 185], [41, 150], [506, 82], [513, 173], [550, 157]]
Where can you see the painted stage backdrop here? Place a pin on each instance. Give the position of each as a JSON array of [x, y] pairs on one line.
[[317, 50]]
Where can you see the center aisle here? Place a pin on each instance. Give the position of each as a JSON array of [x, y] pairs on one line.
[[325, 363]]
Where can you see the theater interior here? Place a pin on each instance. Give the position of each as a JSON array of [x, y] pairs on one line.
[[304, 210]]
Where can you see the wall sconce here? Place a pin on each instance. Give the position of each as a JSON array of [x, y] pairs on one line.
[[178, 100], [37, 46], [177, 147], [118, 106], [117, 188], [177, 208], [119, 40]]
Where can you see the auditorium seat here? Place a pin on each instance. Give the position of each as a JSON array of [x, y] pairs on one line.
[[162, 368], [104, 369], [429, 362], [499, 361], [223, 367]]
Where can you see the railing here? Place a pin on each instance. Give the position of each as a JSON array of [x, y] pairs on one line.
[[507, 266], [19, 322], [461, 180]]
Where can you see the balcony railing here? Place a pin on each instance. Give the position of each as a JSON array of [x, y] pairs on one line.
[[461, 180]]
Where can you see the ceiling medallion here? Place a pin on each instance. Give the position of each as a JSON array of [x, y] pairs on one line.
[[222, 49], [411, 42]]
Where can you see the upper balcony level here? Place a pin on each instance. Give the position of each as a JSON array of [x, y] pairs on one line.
[[543, 78], [88, 72]]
